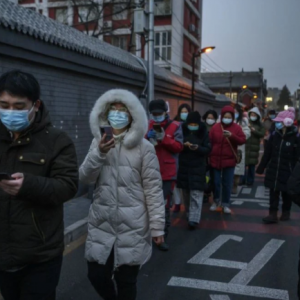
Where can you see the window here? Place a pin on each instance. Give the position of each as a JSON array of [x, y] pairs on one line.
[[162, 8], [87, 14], [61, 15], [162, 47], [120, 12], [120, 42], [234, 96]]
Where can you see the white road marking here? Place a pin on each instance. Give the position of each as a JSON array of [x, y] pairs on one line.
[[237, 202], [257, 263], [238, 289], [246, 191], [252, 200], [262, 192], [264, 205], [238, 191], [219, 297], [203, 256]]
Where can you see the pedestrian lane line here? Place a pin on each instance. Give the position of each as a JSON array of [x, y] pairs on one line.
[[246, 191], [262, 192], [238, 289], [239, 201], [219, 297]]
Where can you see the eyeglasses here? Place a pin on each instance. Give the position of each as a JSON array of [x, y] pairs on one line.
[[121, 109]]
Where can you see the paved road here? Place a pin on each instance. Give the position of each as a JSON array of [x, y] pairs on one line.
[[240, 258]]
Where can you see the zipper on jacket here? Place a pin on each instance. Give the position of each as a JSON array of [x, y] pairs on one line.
[[38, 229], [278, 164], [117, 208]]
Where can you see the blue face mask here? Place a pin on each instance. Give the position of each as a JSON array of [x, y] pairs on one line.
[[227, 121], [15, 120], [278, 125], [272, 117], [193, 127], [236, 115], [159, 119], [118, 119], [183, 116]]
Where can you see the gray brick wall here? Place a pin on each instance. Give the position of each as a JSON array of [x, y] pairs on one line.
[[69, 96]]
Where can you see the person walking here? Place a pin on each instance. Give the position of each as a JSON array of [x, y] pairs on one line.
[[166, 136], [269, 125], [192, 166], [279, 160], [225, 137], [240, 167], [253, 145], [128, 206], [39, 172], [182, 113], [210, 118]]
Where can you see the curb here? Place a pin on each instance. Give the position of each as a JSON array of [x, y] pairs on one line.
[[75, 231]]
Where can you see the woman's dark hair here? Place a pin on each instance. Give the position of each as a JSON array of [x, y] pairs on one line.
[[184, 105], [21, 84], [240, 111], [210, 112]]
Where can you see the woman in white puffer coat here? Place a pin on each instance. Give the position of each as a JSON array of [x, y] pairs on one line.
[[239, 170], [128, 208]]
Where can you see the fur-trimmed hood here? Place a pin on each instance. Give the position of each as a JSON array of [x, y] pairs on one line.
[[139, 125]]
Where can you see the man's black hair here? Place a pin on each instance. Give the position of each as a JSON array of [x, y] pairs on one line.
[[20, 84]]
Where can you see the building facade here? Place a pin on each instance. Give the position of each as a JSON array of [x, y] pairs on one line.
[[178, 26], [246, 87]]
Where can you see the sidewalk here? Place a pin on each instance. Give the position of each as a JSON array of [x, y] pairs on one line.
[[75, 218]]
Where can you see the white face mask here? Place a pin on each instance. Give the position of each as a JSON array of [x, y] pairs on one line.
[[210, 121], [252, 118]]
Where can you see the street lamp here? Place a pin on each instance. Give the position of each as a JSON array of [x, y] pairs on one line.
[[195, 55]]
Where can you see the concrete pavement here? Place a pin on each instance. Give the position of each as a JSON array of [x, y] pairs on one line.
[[233, 257]]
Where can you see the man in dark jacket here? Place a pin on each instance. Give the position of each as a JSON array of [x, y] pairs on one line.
[[39, 173], [166, 136]]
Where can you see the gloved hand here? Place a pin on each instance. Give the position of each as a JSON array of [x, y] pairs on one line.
[[151, 134]]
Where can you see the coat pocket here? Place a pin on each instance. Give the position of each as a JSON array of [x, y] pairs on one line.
[[34, 158]]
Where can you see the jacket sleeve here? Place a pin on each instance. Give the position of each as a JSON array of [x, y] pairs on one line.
[[246, 129], [266, 156], [238, 137], [90, 169], [293, 184], [62, 182], [175, 144], [152, 184], [259, 132], [205, 148]]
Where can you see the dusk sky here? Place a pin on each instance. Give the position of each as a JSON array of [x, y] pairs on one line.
[[254, 33]]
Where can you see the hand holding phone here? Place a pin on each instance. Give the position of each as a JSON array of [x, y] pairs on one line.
[[157, 127], [226, 133], [193, 147], [5, 176], [107, 130]]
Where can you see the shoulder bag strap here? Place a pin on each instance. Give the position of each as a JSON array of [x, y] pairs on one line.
[[236, 157]]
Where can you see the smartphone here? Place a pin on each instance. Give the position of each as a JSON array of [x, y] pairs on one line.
[[194, 146], [157, 127], [108, 131], [5, 176], [226, 131]]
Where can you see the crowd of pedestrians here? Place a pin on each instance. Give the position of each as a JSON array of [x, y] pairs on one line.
[[138, 168]]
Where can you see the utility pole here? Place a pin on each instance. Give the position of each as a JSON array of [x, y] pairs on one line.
[[230, 80], [151, 52]]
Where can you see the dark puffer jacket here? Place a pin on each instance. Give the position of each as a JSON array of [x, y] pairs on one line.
[[253, 143], [31, 223], [192, 163], [280, 158]]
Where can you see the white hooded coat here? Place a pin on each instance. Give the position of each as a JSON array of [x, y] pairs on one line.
[[128, 208], [240, 168]]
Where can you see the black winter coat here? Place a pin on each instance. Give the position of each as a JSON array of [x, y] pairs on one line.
[[31, 223], [192, 164], [280, 157]]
